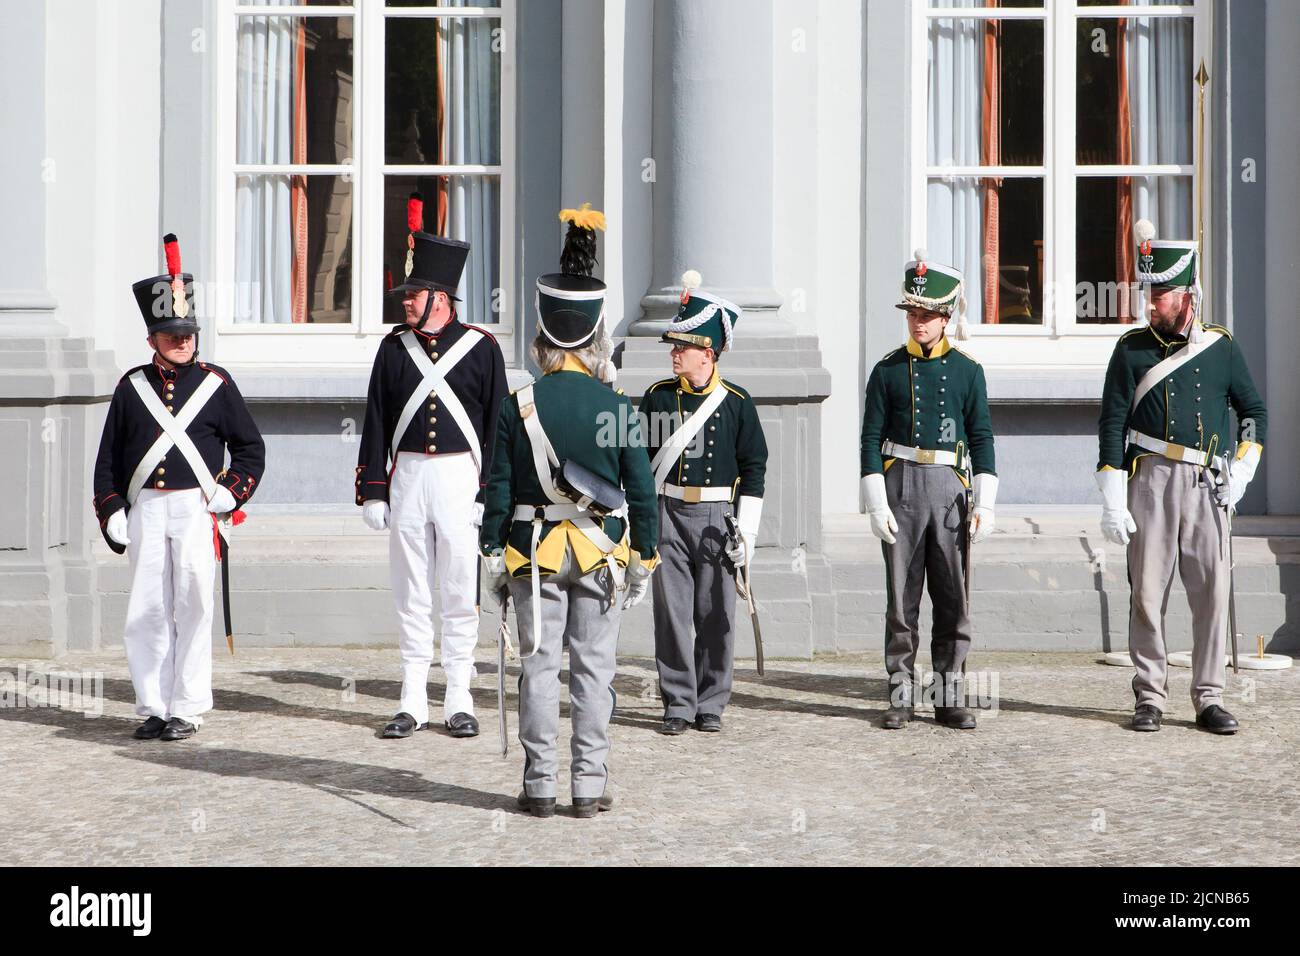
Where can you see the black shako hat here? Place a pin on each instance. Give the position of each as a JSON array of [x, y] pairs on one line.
[[167, 301], [432, 262]]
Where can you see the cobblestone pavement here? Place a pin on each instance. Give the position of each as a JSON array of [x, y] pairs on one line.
[[289, 770]]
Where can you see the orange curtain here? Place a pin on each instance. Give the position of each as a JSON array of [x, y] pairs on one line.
[[991, 155], [298, 184], [1125, 266], [440, 122]]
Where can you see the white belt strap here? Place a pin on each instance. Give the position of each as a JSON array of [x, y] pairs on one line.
[[173, 434], [922, 456], [675, 446], [691, 494], [1191, 456], [561, 509], [435, 380], [1170, 365]]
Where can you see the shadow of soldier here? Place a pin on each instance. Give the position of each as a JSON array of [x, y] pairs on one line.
[[876, 690], [244, 702], [338, 778]]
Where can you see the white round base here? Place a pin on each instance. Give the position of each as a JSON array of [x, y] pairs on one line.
[[1118, 659], [1269, 662]]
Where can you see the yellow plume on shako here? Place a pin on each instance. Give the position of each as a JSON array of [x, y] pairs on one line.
[[584, 218]]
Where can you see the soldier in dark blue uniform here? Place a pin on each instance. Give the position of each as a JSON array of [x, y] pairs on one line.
[[161, 490], [426, 450]]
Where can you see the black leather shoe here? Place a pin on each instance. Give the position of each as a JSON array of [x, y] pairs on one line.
[[708, 723], [178, 729], [462, 725], [403, 725], [1146, 718], [151, 729], [958, 718], [590, 806], [674, 726], [1217, 720], [896, 717], [537, 806]]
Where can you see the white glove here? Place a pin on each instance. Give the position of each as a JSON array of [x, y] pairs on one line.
[[1240, 472], [883, 525], [498, 581], [375, 514], [741, 549], [638, 582], [477, 514], [116, 527], [223, 502], [986, 494], [749, 511], [1116, 521]]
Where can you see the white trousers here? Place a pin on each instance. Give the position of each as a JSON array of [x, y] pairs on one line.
[[433, 542], [168, 633]]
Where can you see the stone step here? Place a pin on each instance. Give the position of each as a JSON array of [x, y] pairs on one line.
[[314, 577]]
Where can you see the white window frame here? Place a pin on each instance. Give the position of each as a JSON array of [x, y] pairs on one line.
[[1060, 341], [350, 344]]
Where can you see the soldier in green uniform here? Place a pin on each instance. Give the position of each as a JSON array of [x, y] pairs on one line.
[[925, 430], [1168, 471], [569, 517], [709, 458]]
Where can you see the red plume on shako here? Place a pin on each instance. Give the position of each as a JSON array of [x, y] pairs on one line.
[[172, 253], [414, 224]]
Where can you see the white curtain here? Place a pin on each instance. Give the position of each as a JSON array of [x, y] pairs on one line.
[[953, 207], [472, 87], [263, 204], [1160, 69]]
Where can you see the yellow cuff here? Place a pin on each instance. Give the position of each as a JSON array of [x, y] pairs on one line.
[[1245, 446]]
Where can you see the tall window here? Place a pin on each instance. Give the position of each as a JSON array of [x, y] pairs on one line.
[[1042, 130], [329, 116]]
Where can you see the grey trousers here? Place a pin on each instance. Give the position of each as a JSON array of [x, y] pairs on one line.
[[1177, 524], [929, 504], [577, 609], [695, 608]]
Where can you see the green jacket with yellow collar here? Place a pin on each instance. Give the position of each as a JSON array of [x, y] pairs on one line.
[[938, 402], [729, 450], [587, 422], [1188, 407]]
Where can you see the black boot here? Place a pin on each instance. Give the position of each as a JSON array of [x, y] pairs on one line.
[[952, 694], [151, 729], [673, 726], [537, 806], [590, 806], [178, 729], [1146, 719], [1217, 720], [462, 725], [403, 725], [900, 710]]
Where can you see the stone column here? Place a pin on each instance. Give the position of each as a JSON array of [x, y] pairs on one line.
[[713, 211], [52, 387]]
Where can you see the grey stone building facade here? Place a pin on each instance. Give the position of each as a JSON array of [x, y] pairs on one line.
[[779, 147]]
